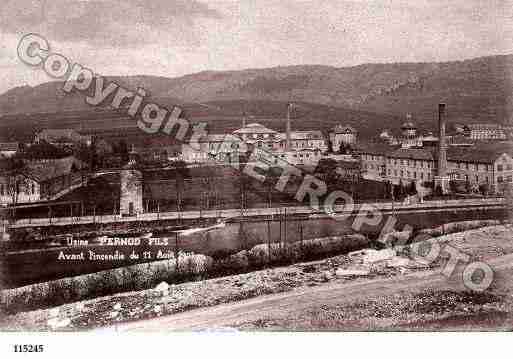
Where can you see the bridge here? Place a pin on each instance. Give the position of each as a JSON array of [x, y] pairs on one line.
[[236, 214]]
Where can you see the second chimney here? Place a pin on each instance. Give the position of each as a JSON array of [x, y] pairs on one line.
[[441, 179]]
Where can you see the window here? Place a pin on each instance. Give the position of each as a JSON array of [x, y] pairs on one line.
[[499, 168], [415, 175], [499, 179], [402, 173], [477, 178], [422, 175], [509, 167], [510, 178], [395, 173]]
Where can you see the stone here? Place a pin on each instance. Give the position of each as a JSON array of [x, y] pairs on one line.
[[56, 323], [162, 287], [114, 314], [327, 276], [398, 262], [54, 312], [341, 273], [117, 307]]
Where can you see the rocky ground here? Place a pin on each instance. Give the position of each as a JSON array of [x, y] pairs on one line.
[[406, 310]]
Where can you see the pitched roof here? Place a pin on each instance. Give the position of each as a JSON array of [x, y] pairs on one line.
[[9, 146], [373, 148], [61, 134], [408, 125], [53, 169], [303, 135], [483, 126], [254, 128], [487, 153], [413, 153], [344, 129]]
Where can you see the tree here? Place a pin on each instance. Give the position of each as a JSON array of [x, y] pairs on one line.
[[343, 149], [182, 172], [330, 146], [484, 188], [15, 171], [412, 188], [44, 150], [122, 150]]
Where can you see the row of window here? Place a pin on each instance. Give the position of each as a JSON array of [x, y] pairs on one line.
[[508, 167], [31, 189], [509, 178], [429, 164], [408, 174]]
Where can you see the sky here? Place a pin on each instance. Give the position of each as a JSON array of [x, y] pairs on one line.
[[177, 37]]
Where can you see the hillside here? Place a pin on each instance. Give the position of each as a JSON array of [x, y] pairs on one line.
[[474, 90]]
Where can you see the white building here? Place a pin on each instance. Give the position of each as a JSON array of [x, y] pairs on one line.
[[342, 134]]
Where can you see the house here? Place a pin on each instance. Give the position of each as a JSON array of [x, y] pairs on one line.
[[62, 137], [485, 131], [9, 149], [342, 134], [258, 135], [214, 148], [41, 181], [302, 140], [479, 165]]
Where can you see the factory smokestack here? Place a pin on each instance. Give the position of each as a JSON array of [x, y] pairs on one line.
[[243, 119], [441, 178], [287, 146]]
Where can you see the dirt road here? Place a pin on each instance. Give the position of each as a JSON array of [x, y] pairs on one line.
[[278, 305]]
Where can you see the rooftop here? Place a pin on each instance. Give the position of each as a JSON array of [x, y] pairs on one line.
[[254, 128], [54, 168], [344, 129], [303, 135], [9, 146]]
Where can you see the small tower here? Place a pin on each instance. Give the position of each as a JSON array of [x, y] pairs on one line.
[[131, 193], [409, 130]]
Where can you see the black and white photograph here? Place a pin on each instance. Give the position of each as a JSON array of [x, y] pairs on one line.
[[254, 167]]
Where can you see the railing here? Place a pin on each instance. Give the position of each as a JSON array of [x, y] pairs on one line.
[[254, 212]]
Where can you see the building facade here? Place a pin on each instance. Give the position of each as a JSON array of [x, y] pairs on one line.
[[475, 167], [342, 135]]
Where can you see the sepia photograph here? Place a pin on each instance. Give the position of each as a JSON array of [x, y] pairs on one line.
[[261, 168]]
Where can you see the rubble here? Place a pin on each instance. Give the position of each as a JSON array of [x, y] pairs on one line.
[[144, 304], [370, 256], [341, 273], [162, 289], [57, 323]]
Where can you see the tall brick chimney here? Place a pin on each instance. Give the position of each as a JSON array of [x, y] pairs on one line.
[[441, 178], [288, 127]]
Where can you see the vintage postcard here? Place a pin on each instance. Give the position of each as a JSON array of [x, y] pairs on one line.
[[255, 167]]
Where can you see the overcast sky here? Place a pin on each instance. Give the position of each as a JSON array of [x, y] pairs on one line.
[[177, 37]]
